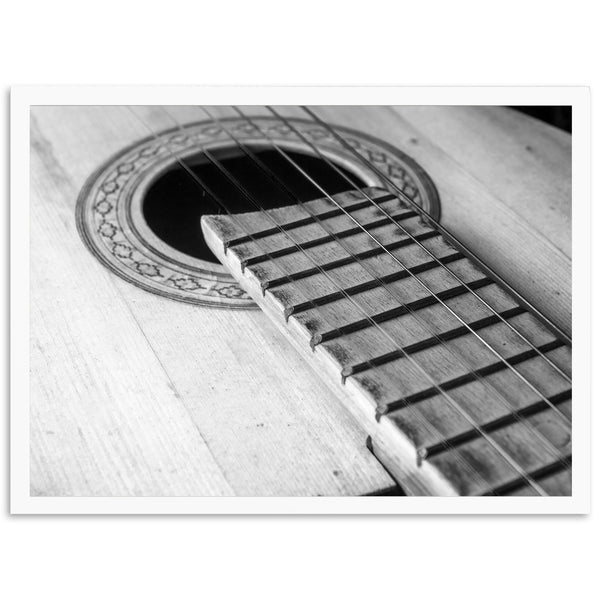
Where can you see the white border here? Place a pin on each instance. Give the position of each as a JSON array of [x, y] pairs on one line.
[[23, 97]]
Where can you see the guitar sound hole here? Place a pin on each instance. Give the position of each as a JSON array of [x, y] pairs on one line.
[[175, 202]]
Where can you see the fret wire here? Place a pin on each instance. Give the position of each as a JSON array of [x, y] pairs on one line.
[[468, 377], [484, 382], [500, 422], [446, 233], [416, 277], [467, 465], [373, 283], [428, 219], [307, 220], [430, 342], [457, 407], [545, 471], [341, 262], [318, 241], [490, 386]]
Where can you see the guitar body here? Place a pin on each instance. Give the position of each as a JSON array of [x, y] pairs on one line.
[[154, 374]]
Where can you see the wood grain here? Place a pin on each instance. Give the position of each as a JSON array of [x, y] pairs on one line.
[[133, 394], [416, 366], [505, 188]]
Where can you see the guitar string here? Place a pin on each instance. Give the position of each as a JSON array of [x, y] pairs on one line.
[[469, 468], [458, 408], [482, 433], [552, 326], [485, 382], [563, 420], [449, 236], [538, 392]]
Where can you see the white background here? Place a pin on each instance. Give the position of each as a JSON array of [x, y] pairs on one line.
[[376, 43]]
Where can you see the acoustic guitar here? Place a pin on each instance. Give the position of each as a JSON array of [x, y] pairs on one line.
[[286, 301]]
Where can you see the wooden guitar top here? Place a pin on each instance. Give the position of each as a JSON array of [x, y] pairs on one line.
[[133, 393], [461, 389]]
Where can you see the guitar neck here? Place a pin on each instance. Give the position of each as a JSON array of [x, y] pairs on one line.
[[459, 386]]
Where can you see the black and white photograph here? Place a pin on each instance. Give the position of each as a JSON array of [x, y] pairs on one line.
[[301, 300], [310, 301]]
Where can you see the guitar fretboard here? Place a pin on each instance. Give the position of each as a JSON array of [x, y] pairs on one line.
[[460, 388]]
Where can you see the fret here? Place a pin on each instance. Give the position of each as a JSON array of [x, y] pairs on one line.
[[382, 317], [323, 214], [508, 419], [490, 328], [256, 221], [359, 347], [531, 453], [319, 241], [358, 314], [380, 303], [283, 243], [458, 361], [433, 425], [372, 283], [430, 342], [553, 476], [386, 405], [247, 226], [555, 479], [480, 399], [560, 356], [300, 249], [268, 274]]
